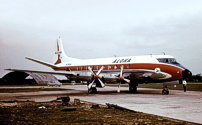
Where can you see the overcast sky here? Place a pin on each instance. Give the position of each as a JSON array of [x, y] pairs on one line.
[[99, 28]]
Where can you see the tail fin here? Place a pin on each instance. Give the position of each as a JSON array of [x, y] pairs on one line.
[[59, 55]]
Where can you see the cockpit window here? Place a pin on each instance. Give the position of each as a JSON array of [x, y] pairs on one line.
[[168, 60], [163, 60], [172, 60]]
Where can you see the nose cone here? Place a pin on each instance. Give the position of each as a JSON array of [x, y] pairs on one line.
[[186, 74]]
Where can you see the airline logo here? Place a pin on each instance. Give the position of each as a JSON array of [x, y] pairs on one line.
[[121, 60]]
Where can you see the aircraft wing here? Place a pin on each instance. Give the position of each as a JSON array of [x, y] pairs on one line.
[[142, 74], [149, 75], [65, 73]]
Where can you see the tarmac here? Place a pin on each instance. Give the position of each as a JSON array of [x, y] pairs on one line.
[[180, 105]]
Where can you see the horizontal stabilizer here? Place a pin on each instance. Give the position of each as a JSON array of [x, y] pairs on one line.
[[42, 62]]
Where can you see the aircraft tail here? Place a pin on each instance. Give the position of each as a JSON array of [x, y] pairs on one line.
[[59, 55]]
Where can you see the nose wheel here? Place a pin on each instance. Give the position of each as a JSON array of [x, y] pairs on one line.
[[165, 90]]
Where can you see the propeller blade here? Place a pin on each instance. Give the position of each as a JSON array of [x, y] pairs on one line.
[[102, 84], [91, 70], [127, 80], [118, 91], [121, 71], [100, 70], [90, 85], [96, 76]]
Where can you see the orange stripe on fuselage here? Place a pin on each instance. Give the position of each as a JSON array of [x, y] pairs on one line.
[[175, 71]]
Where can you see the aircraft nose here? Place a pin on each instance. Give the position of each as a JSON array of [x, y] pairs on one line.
[[186, 74]]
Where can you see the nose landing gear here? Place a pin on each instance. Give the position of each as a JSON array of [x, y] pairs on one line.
[[165, 90]]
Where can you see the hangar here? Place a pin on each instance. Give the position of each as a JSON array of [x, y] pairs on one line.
[[17, 77]]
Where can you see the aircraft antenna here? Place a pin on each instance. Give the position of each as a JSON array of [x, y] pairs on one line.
[[163, 53]]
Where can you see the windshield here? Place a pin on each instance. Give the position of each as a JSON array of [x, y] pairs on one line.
[[172, 60], [168, 60]]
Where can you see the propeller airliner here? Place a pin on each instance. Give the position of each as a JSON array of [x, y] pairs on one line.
[[132, 70]]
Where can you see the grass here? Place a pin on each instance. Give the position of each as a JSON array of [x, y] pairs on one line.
[[190, 86], [16, 90], [16, 85], [29, 113]]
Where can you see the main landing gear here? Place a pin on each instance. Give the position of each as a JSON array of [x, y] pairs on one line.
[[92, 90], [132, 88], [165, 90]]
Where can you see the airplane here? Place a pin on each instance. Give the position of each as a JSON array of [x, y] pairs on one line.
[[132, 70]]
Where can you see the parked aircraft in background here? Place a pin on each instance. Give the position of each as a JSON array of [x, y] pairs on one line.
[[130, 69]]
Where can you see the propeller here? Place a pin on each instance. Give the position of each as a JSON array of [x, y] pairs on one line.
[[184, 83], [121, 78], [96, 77]]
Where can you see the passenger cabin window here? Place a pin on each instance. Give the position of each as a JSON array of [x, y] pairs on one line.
[[122, 66], [128, 66], [115, 67], [109, 67]]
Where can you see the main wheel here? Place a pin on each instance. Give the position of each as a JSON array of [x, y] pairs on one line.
[[132, 89], [94, 89], [90, 91]]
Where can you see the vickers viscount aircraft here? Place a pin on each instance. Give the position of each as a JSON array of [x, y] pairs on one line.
[[131, 69]]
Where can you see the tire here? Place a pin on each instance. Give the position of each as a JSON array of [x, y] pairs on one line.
[[135, 89], [94, 90], [132, 89], [90, 91], [165, 92]]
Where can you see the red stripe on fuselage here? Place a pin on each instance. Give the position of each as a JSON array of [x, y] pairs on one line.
[[175, 71]]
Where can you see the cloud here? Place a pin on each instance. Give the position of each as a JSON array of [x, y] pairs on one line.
[[92, 29]]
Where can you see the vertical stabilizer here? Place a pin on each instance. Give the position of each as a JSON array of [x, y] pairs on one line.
[[59, 55]]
